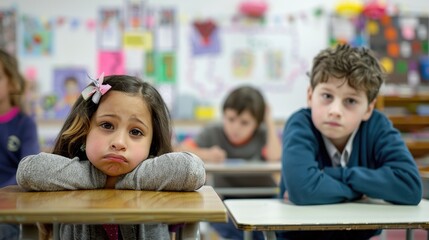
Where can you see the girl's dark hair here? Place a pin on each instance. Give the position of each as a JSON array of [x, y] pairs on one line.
[[76, 127], [357, 66], [246, 98], [16, 80]]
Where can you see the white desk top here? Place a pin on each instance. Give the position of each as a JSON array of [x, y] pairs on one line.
[[273, 214]]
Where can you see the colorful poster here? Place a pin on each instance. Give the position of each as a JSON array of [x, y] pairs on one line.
[[36, 36], [8, 30]]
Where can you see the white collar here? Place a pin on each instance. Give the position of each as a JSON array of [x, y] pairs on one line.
[[332, 150]]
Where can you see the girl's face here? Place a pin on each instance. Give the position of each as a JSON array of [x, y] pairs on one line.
[[337, 110], [120, 133], [238, 128]]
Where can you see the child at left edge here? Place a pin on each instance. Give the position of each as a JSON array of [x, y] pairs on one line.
[[117, 135], [18, 131]]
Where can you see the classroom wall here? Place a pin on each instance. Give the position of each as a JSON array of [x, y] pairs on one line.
[[200, 80]]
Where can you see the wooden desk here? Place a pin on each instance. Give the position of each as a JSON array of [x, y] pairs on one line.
[[112, 206], [269, 215], [237, 167]]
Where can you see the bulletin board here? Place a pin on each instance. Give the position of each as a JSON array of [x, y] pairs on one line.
[[194, 52], [400, 42]]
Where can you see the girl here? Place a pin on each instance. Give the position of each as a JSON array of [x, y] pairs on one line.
[[116, 136], [18, 132]]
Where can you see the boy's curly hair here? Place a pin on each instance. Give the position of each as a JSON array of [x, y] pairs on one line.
[[358, 67]]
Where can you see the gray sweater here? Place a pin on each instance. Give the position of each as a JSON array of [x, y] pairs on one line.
[[177, 171]]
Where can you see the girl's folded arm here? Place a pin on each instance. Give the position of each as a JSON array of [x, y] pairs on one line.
[[51, 172], [176, 171]]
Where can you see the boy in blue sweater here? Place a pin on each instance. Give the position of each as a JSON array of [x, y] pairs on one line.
[[341, 149]]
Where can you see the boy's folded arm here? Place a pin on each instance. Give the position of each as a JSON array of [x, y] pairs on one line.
[[51, 172], [395, 177], [305, 182], [176, 171]]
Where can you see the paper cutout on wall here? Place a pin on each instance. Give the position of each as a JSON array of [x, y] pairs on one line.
[[205, 38], [111, 63]]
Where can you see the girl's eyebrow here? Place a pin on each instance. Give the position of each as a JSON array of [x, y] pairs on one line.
[[136, 119], [133, 118]]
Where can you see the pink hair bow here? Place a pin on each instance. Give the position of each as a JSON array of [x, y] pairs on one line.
[[97, 90]]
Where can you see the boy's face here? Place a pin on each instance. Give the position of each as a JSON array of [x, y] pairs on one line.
[[337, 109], [238, 128], [120, 134]]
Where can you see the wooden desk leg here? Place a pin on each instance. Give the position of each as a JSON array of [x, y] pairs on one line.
[[29, 232], [190, 231], [269, 235]]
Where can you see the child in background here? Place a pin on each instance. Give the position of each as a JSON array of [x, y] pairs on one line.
[[118, 135], [341, 149], [242, 135], [18, 131]]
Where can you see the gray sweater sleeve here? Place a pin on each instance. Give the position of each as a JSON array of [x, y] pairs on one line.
[[51, 172], [176, 171]]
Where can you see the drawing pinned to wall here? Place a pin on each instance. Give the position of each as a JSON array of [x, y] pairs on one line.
[[8, 30], [68, 83], [110, 28], [243, 62], [205, 38], [274, 60], [37, 36], [400, 43], [134, 14], [165, 30], [111, 63], [165, 68]]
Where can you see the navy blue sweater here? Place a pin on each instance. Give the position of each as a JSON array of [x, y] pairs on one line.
[[380, 165], [18, 138]]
